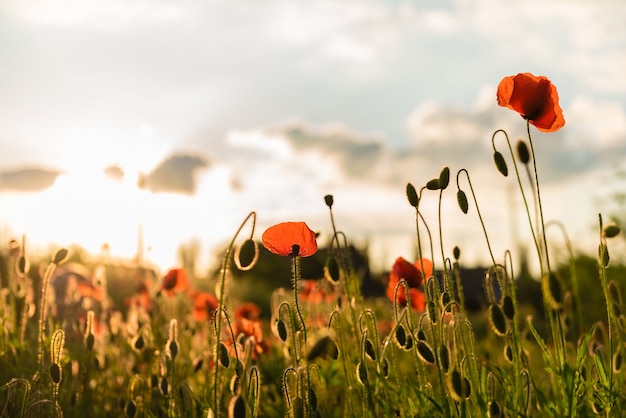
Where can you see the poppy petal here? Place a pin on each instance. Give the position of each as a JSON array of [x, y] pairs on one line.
[[535, 98], [281, 238]]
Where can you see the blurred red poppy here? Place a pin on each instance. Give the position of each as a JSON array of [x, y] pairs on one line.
[[249, 332], [533, 97], [414, 277], [141, 298], [204, 306], [248, 310], [312, 291], [281, 238], [175, 281]]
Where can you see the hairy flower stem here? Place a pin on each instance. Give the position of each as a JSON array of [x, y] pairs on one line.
[[43, 312], [295, 275], [574, 276], [220, 309], [546, 271], [605, 290]]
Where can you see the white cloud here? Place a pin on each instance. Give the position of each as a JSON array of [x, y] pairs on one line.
[[94, 13]]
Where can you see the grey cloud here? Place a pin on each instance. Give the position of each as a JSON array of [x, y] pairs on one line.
[[356, 154], [176, 174], [27, 179]]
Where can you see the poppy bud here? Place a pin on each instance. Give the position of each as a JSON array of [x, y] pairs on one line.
[[400, 336], [611, 230], [223, 357], [246, 255], [461, 198], [234, 384], [444, 178], [331, 270], [329, 200], [409, 342], [522, 152], [60, 256], [55, 373], [23, 265], [411, 195], [131, 409], [361, 373], [281, 329], [432, 312], [421, 335], [493, 410], [237, 407], [312, 400], [508, 307], [444, 358], [552, 290], [460, 386], [456, 253], [496, 319], [425, 352], [500, 163], [433, 184], [508, 353], [369, 349], [618, 361], [164, 386], [384, 368], [89, 341], [139, 342]]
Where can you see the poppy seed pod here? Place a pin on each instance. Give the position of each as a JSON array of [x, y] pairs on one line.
[[329, 200]]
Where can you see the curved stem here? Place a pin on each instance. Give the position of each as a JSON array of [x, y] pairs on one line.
[[482, 223], [220, 309], [521, 188]]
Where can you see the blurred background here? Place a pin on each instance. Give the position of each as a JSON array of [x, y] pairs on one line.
[[148, 125]]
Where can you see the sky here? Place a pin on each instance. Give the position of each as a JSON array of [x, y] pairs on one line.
[[183, 116]]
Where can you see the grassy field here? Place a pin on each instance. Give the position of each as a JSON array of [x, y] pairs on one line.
[[80, 336]]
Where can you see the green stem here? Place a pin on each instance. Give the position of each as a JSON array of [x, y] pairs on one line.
[[220, 309]]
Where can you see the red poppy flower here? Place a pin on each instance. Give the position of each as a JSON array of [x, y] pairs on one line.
[[204, 306], [175, 281], [414, 277], [281, 238], [533, 97]]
